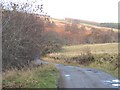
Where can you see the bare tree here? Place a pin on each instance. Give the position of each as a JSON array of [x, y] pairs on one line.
[[21, 33]]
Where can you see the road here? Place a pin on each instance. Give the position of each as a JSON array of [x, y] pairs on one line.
[[76, 77]]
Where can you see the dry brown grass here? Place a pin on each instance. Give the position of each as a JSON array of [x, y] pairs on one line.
[[76, 50]]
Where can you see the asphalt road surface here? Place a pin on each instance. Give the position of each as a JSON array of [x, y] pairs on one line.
[[76, 77]]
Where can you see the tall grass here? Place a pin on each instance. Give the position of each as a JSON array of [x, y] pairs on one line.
[[37, 77], [107, 62]]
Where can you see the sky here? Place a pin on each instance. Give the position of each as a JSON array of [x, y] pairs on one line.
[[91, 10]]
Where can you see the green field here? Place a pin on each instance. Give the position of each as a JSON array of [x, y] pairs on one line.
[[104, 56], [38, 77]]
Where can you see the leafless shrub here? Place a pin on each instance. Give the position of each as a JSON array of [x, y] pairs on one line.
[[20, 36]]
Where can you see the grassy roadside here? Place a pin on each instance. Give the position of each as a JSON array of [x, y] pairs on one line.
[[106, 66], [105, 56], [107, 63], [38, 77]]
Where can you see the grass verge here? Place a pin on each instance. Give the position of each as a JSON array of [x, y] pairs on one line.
[[103, 63], [107, 63], [38, 77]]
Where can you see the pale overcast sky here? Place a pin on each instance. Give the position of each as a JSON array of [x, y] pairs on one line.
[[93, 10]]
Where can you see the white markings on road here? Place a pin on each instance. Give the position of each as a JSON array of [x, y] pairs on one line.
[[67, 75], [108, 81], [115, 82], [116, 85]]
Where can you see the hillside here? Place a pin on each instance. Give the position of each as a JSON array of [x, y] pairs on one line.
[[80, 32], [60, 23]]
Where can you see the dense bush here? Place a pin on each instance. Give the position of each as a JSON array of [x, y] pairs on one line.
[[20, 38]]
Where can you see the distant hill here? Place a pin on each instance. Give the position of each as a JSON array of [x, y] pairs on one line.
[[75, 31], [110, 25], [81, 21]]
